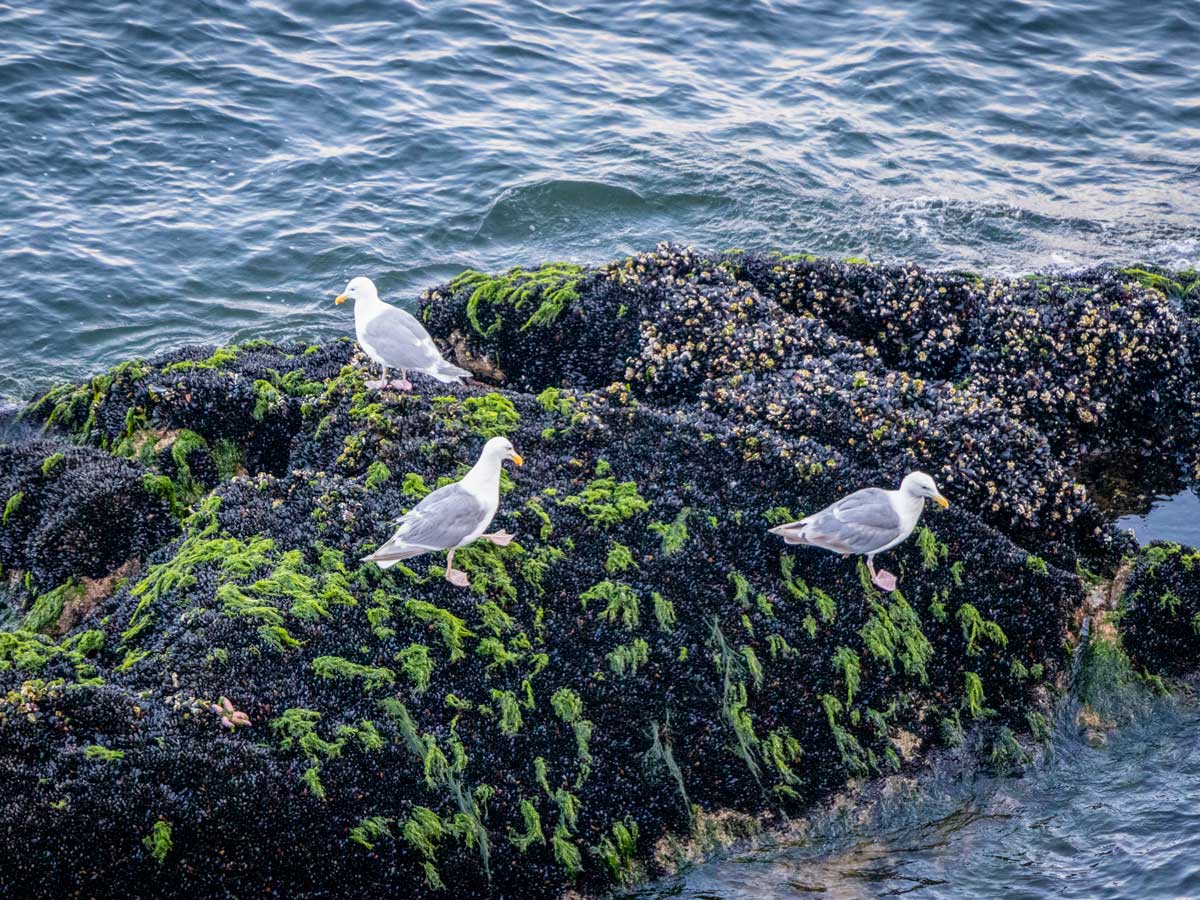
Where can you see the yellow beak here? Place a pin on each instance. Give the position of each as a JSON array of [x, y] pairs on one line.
[[340, 299], [517, 458], [941, 501]]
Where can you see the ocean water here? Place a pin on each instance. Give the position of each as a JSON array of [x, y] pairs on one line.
[[178, 170]]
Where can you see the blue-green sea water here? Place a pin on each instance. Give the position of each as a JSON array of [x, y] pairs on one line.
[[175, 171], [212, 170]]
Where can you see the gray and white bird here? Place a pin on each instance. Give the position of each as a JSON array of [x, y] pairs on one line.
[[393, 337], [453, 516], [867, 522]]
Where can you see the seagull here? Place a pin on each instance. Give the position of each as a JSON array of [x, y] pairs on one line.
[[453, 516], [867, 522], [393, 337]]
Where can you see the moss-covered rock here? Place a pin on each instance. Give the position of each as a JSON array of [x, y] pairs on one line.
[[254, 708]]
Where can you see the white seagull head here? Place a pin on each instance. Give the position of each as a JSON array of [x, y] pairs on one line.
[[360, 288], [500, 449], [918, 484]]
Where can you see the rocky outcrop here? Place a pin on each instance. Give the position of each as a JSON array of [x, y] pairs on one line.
[[244, 706]]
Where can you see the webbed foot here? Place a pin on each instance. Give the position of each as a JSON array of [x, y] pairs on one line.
[[884, 580]]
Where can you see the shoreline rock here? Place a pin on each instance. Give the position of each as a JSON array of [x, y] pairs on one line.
[[643, 656]]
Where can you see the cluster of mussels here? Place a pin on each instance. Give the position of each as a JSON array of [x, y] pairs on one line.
[[204, 692]]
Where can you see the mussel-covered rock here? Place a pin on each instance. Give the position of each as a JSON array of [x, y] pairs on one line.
[[206, 693]]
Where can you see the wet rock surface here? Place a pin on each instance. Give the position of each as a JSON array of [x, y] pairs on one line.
[[1161, 612], [217, 697]]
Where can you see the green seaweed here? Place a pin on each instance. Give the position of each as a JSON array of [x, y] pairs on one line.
[[606, 502], [619, 559], [103, 754], [533, 828], [975, 627], [489, 416], [370, 830], [846, 662], [452, 629], [621, 600], [674, 535], [664, 612], [47, 608], [337, 667], [619, 852], [555, 285], [416, 665], [894, 633], [11, 506], [158, 842], [377, 475], [51, 462], [973, 695], [628, 658]]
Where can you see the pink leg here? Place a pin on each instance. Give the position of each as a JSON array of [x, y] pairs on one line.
[[500, 538], [453, 575], [377, 385], [402, 382], [883, 578]]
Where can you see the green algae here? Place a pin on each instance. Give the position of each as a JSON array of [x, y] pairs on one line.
[[674, 534], [847, 664], [417, 665], [372, 830], [47, 608], [377, 475], [824, 604], [975, 627], [554, 285], [73, 409], [973, 695], [606, 502], [626, 659], [452, 629], [414, 486], [532, 834], [619, 559], [933, 551], [31, 652], [51, 462], [664, 612], [621, 602], [11, 506], [339, 668], [619, 851], [849, 749], [489, 416], [103, 754], [158, 842], [1186, 284], [893, 632]]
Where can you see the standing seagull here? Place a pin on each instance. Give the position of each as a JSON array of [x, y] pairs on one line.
[[393, 337], [867, 522], [453, 516]]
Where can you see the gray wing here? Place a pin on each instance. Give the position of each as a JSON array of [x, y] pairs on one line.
[[401, 341], [442, 520], [860, 523]]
